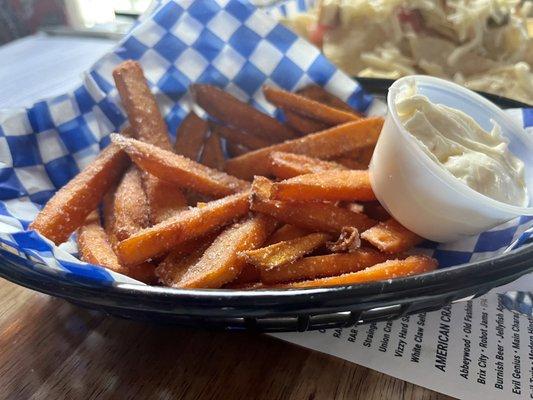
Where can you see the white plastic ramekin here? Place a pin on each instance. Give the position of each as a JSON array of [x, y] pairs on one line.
[[422, 195]]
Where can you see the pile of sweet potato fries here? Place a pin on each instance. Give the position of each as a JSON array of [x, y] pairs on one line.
[[292, 208]]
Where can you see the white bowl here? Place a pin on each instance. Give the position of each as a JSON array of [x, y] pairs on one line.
[[426, 198]]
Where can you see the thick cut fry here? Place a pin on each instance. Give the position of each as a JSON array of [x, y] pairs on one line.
[[179, 170], [140, 105], [315, 216], [237, 114], [302, 124], [288, 165], [126, 209], [67, 209], [96, 248], [318, 93], [390, 269], [235, 149], [220, 263], [307, 107], [190, 136], [242, 138], [164, 197], [320, 266], [391, 237], [325, 145], [326, 186], [212, 154], [286, 232], [187, 225], [285, 252]]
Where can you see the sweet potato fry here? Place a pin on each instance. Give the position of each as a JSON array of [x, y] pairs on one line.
[[126, 209], [302, 124], [284, 252], [242, 138], [212, 153], [237, 114], [307, 107], [288, 165], [320, 266], [220, 263], [190, 136], [376, 211], [67, 209], [314, 216], [326, 144], [235, 149], [390, 269], [187, 225], [95, 248], [164, 197], [179, 170], [249, 274], [286, 232], [318, 93], [140, 105], [350, 163], [326, 186], [391, 237]]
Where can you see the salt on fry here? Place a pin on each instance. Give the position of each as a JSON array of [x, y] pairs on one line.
[[302, 124], [322, 266], [390, 269], [230, 111], [212, 153], [307, 107], [187, 225], [67, 210], [190, 136], [164, 197], [324, 145], [285, 252], [238, 137], [179, 170], [220, 264], [288, 165], [391, 237], [140, 105], [330, 185]]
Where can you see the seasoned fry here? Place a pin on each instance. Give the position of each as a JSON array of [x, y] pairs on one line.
[[391, 237], [67, 209], [326, 186], [212, 154], [164, 197], [326, 144], [288, 165], [220, 263], [320, 266], [318, 93], [238, 137], [285, 252], [179, 170], [233, 112], [302, 124], [235, 149], [390, 269], [95, 248], [190, 136], [348, 241], [315, 216], [140, 105], [307, 107], [187, 225], [126, 209], [286, 232]]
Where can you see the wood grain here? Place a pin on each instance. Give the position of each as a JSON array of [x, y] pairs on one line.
[[52, 349]]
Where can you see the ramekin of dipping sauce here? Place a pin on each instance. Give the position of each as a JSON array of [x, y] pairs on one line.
[[448, 163]]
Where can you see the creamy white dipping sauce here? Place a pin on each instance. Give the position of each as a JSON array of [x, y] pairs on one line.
[[456, 142]]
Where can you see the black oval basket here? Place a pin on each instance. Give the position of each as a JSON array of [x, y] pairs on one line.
[[285, 310]]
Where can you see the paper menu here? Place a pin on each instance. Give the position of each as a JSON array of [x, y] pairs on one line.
[[471, 350]]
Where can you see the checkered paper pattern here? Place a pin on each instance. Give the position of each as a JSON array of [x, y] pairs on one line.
[[229, 43]]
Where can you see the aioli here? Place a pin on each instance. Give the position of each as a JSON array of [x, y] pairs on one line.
[[456, 142]]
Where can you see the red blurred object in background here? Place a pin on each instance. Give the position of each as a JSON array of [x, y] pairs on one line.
[[19, 18]]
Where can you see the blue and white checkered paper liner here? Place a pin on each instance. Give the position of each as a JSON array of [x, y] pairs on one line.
[[230, 44]]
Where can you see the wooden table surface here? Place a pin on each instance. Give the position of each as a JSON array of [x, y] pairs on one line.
[[51, 349]]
